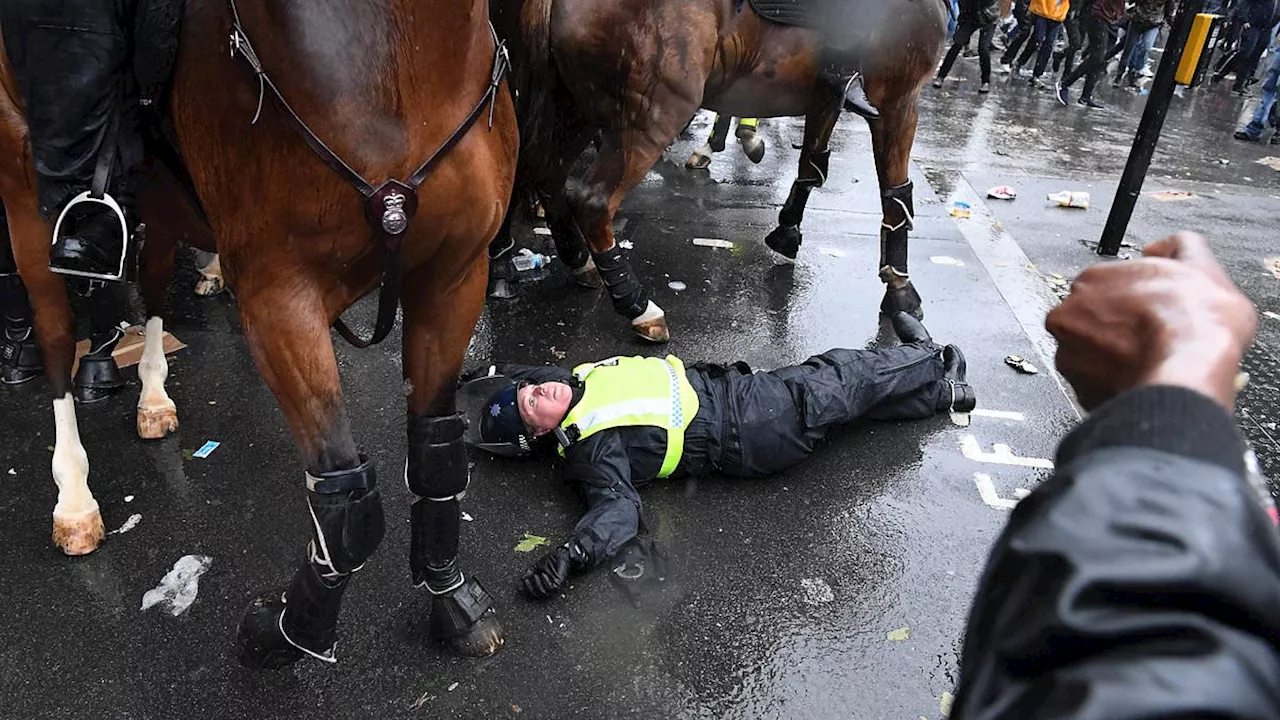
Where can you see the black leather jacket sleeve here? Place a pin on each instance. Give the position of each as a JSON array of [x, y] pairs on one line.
[[1142, 580], [601, 470]]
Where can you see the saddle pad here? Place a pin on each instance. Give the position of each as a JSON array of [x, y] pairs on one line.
[[801, 13]]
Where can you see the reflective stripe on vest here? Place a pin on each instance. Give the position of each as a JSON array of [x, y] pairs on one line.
[[635, 391]]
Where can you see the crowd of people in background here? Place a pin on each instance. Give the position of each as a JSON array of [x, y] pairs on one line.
[[1094, 33]]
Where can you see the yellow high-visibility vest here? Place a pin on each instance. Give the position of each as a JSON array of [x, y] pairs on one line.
[[631, 391]]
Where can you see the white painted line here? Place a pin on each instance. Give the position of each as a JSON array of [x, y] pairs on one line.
[[946, 260], [987, 490], [713, 243], [1000, 414], [1000, 454]]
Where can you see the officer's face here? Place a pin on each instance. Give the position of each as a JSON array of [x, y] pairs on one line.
[[544, 406]]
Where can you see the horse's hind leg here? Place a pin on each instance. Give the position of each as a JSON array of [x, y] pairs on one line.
[[440, 312], [77, 523], [815, 157], [286, 321], [891, 138]]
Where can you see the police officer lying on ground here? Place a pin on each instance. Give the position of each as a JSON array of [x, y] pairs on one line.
[[1142, 580], [625, 421]]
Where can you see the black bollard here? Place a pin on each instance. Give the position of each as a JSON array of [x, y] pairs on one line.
[[1148, 134]]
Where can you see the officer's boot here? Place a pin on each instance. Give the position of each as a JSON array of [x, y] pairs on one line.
[[20, 359], [96, 238], [849, 84]]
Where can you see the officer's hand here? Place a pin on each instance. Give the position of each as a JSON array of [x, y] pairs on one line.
[[1170, 318], [474, 373], [548, 575]]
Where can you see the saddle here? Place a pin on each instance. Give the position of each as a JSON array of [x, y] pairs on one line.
[[798, 13]]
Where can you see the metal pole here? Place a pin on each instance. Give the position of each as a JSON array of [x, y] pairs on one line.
[[1144, 141]]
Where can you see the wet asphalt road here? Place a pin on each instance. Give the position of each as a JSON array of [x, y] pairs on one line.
[[784, 593]]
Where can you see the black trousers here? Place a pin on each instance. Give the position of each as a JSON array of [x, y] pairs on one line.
[[71, 61], [960, 40], [774, 419], [1102, 35]]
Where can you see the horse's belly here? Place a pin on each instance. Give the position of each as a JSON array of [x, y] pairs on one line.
[[755, 96]]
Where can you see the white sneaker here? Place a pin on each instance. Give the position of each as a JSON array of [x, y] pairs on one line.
[[1003, 69]]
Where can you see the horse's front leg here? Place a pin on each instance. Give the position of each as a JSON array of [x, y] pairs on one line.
[[286, 318], [892, 136], [815, 157], [77, 522], [442, 302]]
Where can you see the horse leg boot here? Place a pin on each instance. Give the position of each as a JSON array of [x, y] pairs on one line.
[[749, 138], [629, 297], [899, 218], [462, 610], [818, 124], [786, 238], [98, 376], [280, 626], [571, 246]]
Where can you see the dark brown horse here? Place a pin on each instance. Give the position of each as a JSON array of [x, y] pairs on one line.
[[630, 75], [384, 83]]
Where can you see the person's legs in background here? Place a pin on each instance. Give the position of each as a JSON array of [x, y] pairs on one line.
[[1252, 43], [958, 41], [1258, 125], [985, 37], [1040, 28], [1141, 51], [1052, 28]]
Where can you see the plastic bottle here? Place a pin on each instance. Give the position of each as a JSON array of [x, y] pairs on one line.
[[527, 260], [1073, 199]]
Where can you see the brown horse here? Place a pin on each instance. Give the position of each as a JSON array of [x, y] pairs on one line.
[[383, 83], [630, 75]]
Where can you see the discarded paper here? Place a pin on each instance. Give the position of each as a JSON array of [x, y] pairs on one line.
[[178, 588], [467, 516], [541, 231], [1270, 161], [205, 449], [1002, 192], [529, 542], [713, 243], [1017, 362], [946, 260], [944, 704], [128, 525], [626, 244], [676, 285], [960, 210], [901, 634], [453, 687]]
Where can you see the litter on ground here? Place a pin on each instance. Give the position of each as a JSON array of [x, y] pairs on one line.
[[1002, 192], [713, 243], [1017, 362], [900, 634], [529, 542], [206, 449]]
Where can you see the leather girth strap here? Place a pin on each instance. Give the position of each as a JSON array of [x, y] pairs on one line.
[[389, 207]]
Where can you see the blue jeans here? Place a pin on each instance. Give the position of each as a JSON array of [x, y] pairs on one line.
[[1258, 124], [1042, 40], [1137, 46], [953, 18]]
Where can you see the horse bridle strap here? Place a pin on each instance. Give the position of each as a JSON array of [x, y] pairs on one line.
[[390, 206]]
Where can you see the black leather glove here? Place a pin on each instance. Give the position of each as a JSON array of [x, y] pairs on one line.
[[549, 574], [474, 373]]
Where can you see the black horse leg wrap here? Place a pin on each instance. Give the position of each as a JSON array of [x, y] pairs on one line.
[[346, 518], [571, 244], [792, 212], [899, 217], [312, 604], [814, 172], [629, 297], [437, 475]]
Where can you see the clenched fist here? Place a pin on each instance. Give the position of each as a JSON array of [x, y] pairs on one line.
[[1169, 318]]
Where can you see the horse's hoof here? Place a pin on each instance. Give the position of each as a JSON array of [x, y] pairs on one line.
[[700, 159], [902, 299], [209, 285], [785, 240], [97, 379], [78, 534], [482, 640], [587, 276], [260, 644], [156, 423], [753, 146], [654, 331]]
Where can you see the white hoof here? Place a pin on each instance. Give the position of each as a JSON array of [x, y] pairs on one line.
[[78, 533], [700, 159], [155, 423]]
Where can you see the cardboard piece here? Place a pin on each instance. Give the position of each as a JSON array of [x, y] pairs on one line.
[[129, 352]]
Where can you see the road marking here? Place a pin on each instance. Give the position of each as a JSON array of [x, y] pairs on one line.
[[987, 490], [1000, 454], [1001, 414]]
